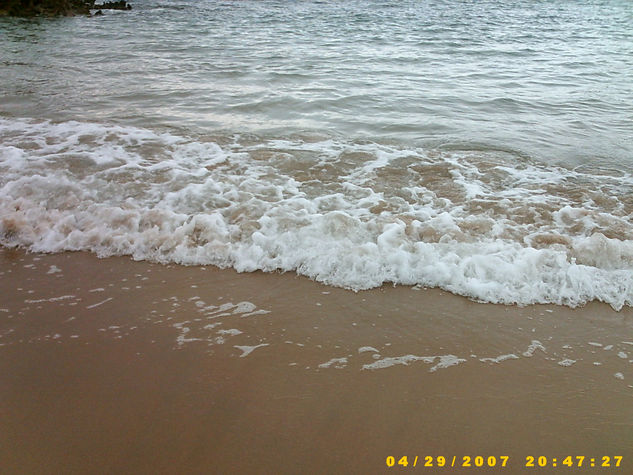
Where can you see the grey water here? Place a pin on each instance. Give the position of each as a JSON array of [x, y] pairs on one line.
[[552, 80]]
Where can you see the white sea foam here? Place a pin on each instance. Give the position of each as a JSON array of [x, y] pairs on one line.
[[397, 360], [99, 303], [533, 346], [244, 307], [260, 311], [566, 362], [181, 339], [365, 349], [445, 361], [52, 299], [247, 350], [500, 358], [338, 363], [481, 224], [53, 270]]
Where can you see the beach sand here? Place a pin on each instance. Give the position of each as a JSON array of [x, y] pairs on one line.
[[116, 366]]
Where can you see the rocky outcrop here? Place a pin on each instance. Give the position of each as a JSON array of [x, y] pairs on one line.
[[28, 8]]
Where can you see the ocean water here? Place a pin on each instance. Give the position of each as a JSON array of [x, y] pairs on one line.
[[483, 147]]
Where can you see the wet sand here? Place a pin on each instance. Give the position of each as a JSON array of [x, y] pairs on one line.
[[116, 366]]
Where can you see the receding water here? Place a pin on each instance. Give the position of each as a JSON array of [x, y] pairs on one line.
[[485, 147]]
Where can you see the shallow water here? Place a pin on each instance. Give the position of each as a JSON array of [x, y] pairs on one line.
[[481, 147]]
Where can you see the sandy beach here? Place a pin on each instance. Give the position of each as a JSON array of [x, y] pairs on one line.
[[195, 198], [116, 366]]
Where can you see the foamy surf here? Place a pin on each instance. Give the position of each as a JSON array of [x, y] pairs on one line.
[[485, 224]]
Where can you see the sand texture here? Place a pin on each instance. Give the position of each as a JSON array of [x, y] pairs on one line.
[[116, 366]]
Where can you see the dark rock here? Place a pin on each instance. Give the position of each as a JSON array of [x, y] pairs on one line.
[[28, 8]]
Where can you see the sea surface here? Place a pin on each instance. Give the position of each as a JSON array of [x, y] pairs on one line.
[[482, 147]]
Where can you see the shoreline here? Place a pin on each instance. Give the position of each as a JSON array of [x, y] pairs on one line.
[[112, 365]]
